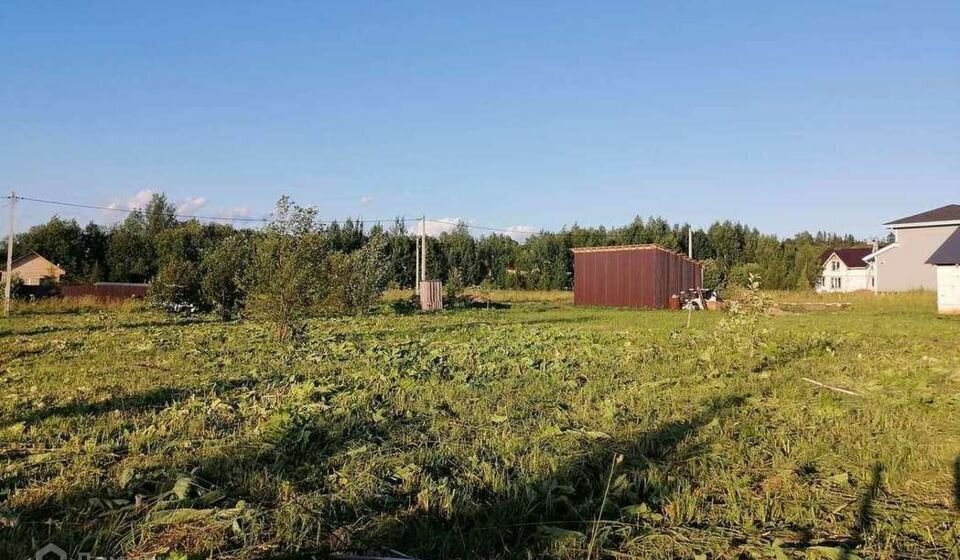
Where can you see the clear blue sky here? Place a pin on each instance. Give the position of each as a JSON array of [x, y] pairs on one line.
[[785, 115]]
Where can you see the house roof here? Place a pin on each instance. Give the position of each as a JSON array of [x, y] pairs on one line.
[[948, 213], [850, 256], [949, 252], [32, 255]]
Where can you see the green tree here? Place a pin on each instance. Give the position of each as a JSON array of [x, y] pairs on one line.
[[177, 283], [223, 269], [368, 275], [742, 275], [285, 281], [130, 251], [713, 274]]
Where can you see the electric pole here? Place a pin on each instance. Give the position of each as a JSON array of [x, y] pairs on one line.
[[423, 248], [7, 276], [416, 256], [690, 241]]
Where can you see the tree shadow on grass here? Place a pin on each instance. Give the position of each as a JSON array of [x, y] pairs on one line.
[[87, 328], [155, 399], [525, 517], [865, 514], [956, 483]]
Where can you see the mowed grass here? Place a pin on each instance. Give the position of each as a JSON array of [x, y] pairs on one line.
[[539, 431]]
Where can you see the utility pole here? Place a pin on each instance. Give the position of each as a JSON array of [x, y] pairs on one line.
[[416, 279], [7, 276], [690, 241], [423, 248]]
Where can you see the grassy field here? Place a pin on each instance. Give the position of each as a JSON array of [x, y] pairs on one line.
[[538, 431]]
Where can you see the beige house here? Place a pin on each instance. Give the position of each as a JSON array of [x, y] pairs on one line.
[[902, 265], [33, 269]]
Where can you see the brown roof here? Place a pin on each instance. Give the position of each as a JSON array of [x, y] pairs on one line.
[[948, 213], [645, 246], [949, 252], [850, 256]]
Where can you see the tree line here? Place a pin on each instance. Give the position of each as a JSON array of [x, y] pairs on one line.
[[152, 245]]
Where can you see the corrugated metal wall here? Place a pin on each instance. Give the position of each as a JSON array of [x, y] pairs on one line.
[[631, 277]]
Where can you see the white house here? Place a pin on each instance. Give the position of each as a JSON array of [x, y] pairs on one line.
[[844, 270], [947, 260]]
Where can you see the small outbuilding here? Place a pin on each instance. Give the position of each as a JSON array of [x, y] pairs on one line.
[[640, 276], [947, 260]]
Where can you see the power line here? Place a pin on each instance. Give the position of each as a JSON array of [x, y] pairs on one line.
[[132, 210], [485, 228], [189, 216], [614, 232]]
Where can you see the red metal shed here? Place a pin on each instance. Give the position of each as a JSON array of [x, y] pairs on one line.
[[631, 276]]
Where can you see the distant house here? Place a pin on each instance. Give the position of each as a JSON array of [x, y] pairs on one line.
[[844, 270], [947, 261], [33, 269], [902, 265]]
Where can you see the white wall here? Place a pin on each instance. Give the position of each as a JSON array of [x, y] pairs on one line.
[[948, 289], [851, 279]]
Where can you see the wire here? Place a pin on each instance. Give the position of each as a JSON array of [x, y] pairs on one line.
[[471, 226], [188, 216]]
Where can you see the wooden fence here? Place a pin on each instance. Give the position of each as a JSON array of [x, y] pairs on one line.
[[106, 290], [431, 295]]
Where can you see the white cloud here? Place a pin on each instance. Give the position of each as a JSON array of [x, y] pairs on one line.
[[442, 225], [365, 200], [191, 204], [520, 233], [235, 213], [435, 227], [136, 201], [184, 207]]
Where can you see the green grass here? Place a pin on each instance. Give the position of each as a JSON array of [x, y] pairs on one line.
[[484, 434]]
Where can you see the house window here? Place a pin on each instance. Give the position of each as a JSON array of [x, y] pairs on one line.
[[835, 283], [835, 265]]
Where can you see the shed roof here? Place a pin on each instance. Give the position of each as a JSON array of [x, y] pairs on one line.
[[850, 256], [949, 252], [948, 213], [642, 247]]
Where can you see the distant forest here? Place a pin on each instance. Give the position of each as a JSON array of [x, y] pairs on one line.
[[135, 249]]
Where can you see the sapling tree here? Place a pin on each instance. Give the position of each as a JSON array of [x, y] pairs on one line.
[[285, 281], [223, 270]]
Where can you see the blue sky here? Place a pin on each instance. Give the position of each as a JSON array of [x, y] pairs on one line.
[[787, 116]]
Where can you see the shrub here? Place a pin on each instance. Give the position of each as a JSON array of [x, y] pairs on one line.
[[454, 286], [740, 275], [367, 277], [223, 269], [285, 281], [177, 286], [713, 274]]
